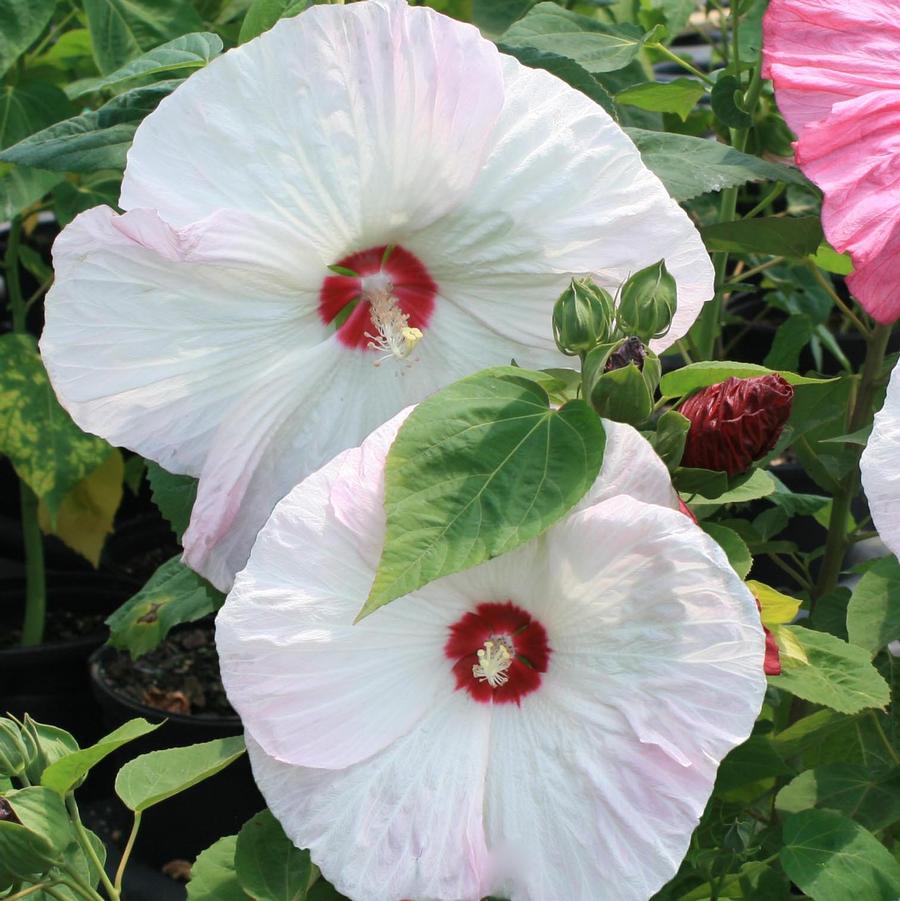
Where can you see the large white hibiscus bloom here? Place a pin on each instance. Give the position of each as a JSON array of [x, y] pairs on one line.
[[204, 327], [880, 469], [547, 725]]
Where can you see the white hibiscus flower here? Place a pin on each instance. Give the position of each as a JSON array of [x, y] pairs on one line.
[[325, 225], [547, 725], [880, 470]]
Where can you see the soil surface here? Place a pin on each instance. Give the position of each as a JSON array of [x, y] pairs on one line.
[[62, 625], [180, 676]]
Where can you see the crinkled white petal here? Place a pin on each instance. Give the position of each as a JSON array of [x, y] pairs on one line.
[[656, 673], [880, 469], [188, 330], [589, 789], [152, 333], [310, 686], [349, 123], [407, 823], [565, 191]]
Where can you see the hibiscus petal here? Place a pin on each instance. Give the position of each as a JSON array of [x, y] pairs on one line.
[[574, 198], [880, 473], [366, 119], [153, 333], [656, 673], [822, 52], [853, 155], [311, 687], [408, 818]]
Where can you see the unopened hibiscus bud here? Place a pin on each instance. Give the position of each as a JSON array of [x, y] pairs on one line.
[[13, 754], [582, 317], [622, 377], [647, 303], [735, 422]]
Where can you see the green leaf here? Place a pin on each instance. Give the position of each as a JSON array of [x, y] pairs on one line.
[[86, 514], [70, 199], [567, 70], [213, 876], [836, 674], [268, 865], [670, 437], [700, 375], [758, 484], [792, 336], [831, 858], [690, 166], [21, 186], [263, 14], [679, 96], [21, 23], [122, 29], [724, 99], [34, 843], [29, 107], [734, 546], [174, 594], [185, 53], [173, 494], [67, 772], [869, 797], [752, 761], [97, 139], [779, 236], [495, 16], [476, 470], [873, 615], [153, 777], [827, 258], [594, 45], [49, 452]]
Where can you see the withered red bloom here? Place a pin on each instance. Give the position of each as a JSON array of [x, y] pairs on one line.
[[735, 422]]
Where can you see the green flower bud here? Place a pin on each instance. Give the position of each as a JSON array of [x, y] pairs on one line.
[[13, 753], [647, 302], [621, 379], [582, 317]]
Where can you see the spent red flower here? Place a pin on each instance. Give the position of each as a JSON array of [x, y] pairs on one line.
[[735, 422]]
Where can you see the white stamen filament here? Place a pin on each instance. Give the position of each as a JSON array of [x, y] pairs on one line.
[[395, 337], [494, 660]]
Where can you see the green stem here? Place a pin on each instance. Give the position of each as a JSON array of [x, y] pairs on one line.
[[836, 542], [675, 58], [39, 887], [838, 301], [85, 842], [35, 582], [129, 847], [890, 748]]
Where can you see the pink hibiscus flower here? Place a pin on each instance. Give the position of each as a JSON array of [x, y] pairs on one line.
[[837, 81]]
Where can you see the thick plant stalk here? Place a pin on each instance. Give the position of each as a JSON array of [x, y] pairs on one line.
[[836, 543]]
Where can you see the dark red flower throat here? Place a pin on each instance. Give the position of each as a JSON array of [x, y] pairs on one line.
[[499, 653], [411, 287]]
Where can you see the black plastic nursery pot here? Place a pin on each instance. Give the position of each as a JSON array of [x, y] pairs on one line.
[[183, 826], [50, 681]]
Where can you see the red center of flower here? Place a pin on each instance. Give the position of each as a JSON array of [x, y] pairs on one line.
[[386, 276], [499, 653]]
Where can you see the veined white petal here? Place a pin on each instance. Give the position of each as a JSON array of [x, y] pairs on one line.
[[564, 191], [879, 467], [310, 686], [406, 821], [656, 673], [351, 124], [152, 333]]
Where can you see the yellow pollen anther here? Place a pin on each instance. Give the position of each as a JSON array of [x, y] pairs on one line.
[[395, 337], [494, 660]]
